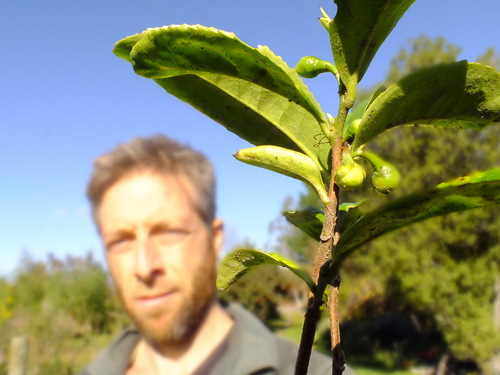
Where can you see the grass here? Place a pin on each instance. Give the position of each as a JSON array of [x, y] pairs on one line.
[[361, 370]]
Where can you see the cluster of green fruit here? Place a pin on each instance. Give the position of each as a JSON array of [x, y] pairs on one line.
[[350, 174]]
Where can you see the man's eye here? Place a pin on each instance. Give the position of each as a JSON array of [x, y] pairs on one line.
[[120, 245], [170, 236]]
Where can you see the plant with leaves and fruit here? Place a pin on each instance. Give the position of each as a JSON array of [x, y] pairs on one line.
[[253, 93]]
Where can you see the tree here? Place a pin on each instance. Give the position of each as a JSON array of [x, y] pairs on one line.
[[254, 94], [78, 286], [423, 52], [445, 266], [449, 269], [59, 304]]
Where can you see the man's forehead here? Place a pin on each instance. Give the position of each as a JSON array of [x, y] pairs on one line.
[[171, 181], [146, 192]]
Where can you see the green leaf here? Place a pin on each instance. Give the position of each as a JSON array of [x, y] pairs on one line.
[[250, 91], [459, 94], [349, 213], [124, 47], [239, 262], [358, 30], [379, 90], [477, 190], [357, 111], [311, 220], [290, 163]]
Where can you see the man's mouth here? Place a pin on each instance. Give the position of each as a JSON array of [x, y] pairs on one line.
[[154, 299]]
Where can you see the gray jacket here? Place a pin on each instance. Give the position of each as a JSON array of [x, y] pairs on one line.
[[249, 349]]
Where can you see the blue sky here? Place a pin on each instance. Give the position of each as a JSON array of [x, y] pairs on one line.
[[65, 98]]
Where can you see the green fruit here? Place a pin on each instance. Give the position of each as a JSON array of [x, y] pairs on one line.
[[310, 67], [385, 177], [352, 128], [350, 175]]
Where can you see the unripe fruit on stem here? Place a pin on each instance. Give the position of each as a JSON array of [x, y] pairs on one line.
[[350, 175], [385, 177], [310, 67], [352, 129]]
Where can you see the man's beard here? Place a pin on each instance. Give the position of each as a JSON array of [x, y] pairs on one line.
[[189, 315]]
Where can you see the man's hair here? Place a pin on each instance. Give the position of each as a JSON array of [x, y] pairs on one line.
[[157, 154]]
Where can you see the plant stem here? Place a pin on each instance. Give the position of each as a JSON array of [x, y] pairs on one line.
[[311, 319], [346, 103], [327, 241], [338, 360]]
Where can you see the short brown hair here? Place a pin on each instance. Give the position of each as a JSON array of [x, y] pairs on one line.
[[157, 154]]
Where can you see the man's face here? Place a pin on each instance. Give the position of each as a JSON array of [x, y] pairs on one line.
[[160, 253]]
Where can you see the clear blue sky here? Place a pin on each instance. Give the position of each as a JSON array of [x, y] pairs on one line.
[[65, 98]]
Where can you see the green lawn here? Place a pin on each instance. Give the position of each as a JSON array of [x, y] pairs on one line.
[[361, 370]]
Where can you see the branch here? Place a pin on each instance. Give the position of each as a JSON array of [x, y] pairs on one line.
[[311, 319], [322, 264], [338, 359]]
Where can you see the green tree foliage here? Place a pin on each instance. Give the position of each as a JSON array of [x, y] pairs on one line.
[[78, 286], [6, 301], [423, 52], [437, 276], [445, 267], [490, 58], [62, 305]]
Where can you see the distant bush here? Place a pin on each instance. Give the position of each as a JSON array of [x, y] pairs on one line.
[[62, 305], [6, 302], [81, 288], [77, 286]]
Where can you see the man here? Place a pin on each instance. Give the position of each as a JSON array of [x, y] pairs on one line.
[[153, 202]]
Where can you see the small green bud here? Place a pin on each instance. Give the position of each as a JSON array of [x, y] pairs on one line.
[[310, 67], [325, 20]]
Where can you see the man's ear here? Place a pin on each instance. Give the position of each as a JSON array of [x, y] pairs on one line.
[[218, 236]]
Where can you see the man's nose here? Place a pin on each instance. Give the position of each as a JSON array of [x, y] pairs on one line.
[[148, 264]]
